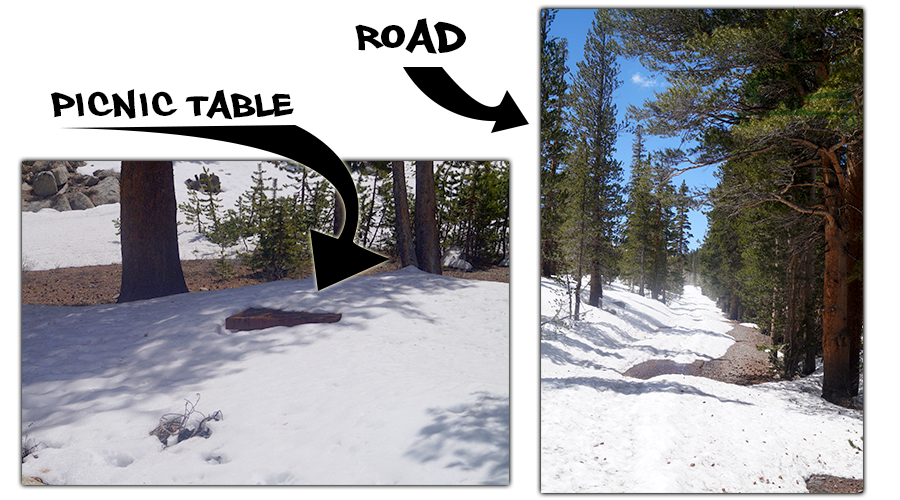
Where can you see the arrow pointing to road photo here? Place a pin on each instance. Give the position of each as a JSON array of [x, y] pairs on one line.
[[334, 259], [440, 88]]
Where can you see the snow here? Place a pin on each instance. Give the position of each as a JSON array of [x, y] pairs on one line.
[[411, 386], [602, 432]]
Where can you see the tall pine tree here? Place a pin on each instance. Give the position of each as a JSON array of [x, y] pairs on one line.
[[554, 140], [597, 187]]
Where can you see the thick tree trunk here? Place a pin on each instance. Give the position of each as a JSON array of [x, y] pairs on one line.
[[734, 313], [842, 298], [428, 248], [836, 343], [151, 266], [405, 248]]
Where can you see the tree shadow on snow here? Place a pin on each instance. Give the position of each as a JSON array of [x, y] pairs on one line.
[[560, 357], [627, 386], [473, 436], [114, 356]]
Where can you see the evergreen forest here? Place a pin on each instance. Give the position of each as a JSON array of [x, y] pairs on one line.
[[467, 210], [772, 100]]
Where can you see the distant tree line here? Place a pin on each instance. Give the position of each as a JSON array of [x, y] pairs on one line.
[[465, 205]]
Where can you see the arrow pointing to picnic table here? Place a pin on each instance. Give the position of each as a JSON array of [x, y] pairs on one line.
[[440, 88], [334, 259]]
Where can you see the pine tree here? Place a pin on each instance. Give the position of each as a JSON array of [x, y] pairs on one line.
[[554, 140], [637, 232], [596, 173]]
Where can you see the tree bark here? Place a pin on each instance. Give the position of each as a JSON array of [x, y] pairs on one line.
[[596, 296], [151, 266], [842, 298], [428, 248], [405, 248]]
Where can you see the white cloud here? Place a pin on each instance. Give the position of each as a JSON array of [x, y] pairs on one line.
[[644, 82]]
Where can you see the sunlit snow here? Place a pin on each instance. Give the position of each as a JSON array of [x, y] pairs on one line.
[[603, 432]]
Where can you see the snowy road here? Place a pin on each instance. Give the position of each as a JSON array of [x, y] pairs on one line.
[[602, 432]]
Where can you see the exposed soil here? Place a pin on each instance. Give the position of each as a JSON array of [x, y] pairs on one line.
[[742, 363], [92, 285], [821, 483]]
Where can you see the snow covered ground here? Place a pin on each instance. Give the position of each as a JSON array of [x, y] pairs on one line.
[[603, 432], [411, 386]]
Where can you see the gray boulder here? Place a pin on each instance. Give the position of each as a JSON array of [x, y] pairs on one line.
[[103, 174], [40, 166], [35, 206], [453, 258], [61, 204], [44, 184], [105, 192], [62, 175], [80, 201]]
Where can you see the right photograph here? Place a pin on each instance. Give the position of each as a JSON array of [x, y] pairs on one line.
[[701, 316]]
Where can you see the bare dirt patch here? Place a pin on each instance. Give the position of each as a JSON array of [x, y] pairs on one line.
[[93, 285]]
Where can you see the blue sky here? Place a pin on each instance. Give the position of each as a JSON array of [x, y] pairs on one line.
[[638, 85]]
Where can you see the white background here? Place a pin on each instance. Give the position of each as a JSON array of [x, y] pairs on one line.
[[362, 104]]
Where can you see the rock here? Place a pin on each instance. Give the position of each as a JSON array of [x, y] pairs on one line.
[[44, 184], [204, 183], [40, 166], [103, 174], [91, 181], [105, 192], [32, 481], [504, 262], [80, 201], [35, 206], [62, 175], [61, 204], [452, 258]]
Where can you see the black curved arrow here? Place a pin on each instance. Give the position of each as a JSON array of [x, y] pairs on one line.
[[440, 88], [334, 259]]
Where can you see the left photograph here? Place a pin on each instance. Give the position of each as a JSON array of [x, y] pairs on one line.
[[173, 331]]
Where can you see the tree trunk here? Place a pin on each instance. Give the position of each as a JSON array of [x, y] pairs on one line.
[[842, 314], [151, 266], [405, 248], [428, 248], [371, 212], [735, 309], [596, 297], [577, 297], [807, 320]]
